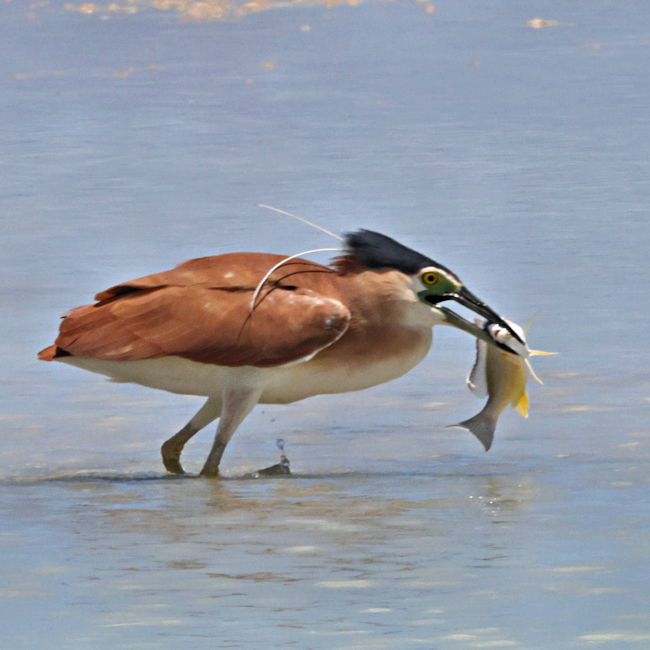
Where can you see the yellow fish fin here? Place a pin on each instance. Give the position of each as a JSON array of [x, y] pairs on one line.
[[522, 405], [537, 353], [530, 320], [532, 372]]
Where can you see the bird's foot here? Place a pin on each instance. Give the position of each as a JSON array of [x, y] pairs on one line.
[[210, 472], [281, 469], [171, 456]]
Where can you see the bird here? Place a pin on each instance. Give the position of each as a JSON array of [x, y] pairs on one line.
[[243, 329]]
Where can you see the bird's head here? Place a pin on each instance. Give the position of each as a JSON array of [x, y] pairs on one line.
[[432, 282]]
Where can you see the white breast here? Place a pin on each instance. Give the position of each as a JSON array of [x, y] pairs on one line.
[[281, 385]]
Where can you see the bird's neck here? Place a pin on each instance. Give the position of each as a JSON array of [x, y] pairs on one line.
[[386, 300]]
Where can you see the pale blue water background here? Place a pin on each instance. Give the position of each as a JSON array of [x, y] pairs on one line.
[[518, 157]]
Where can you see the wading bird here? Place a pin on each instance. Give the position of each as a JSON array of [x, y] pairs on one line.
[[248, 328]]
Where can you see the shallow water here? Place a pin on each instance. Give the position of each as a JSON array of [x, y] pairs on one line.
[[132, 140]]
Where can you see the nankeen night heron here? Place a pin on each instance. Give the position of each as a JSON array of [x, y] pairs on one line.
[[203, 329]]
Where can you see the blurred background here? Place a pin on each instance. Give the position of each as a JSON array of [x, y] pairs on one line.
[[507, 140]]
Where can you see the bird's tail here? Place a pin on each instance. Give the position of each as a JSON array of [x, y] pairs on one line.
[[53, 352], [482, 426], [48, 354]]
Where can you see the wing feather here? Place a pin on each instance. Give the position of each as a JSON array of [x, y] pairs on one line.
[[201, 311], [231, 271]]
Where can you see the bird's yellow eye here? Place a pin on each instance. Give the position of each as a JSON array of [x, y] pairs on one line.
[[429, 278]]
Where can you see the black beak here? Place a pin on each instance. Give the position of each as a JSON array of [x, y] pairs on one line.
[[469, 300]]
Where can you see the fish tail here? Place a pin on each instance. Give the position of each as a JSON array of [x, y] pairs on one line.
[[482, 426]]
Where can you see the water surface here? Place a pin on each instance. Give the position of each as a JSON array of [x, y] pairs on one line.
[[132, 140]]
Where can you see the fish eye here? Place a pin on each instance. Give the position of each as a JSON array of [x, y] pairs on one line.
[[429, 278]]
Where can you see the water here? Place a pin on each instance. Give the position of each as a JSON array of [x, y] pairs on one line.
[[516, 156]]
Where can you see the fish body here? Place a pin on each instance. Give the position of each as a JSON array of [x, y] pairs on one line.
[[502, 377]]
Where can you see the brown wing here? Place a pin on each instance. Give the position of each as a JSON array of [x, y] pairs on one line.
[[231, 271], [201, 311]]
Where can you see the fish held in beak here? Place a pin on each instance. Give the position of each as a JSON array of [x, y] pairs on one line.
[[468, 299], [501, 376], [483, 331]]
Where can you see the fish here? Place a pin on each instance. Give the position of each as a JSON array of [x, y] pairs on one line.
[[501, 377]]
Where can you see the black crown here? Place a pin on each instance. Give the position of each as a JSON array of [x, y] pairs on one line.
[[376, 251]]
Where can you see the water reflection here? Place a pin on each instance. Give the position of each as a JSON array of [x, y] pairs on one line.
[[390, 557]]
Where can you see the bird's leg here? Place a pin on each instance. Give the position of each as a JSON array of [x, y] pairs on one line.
[[237, 404], [172, 448]]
